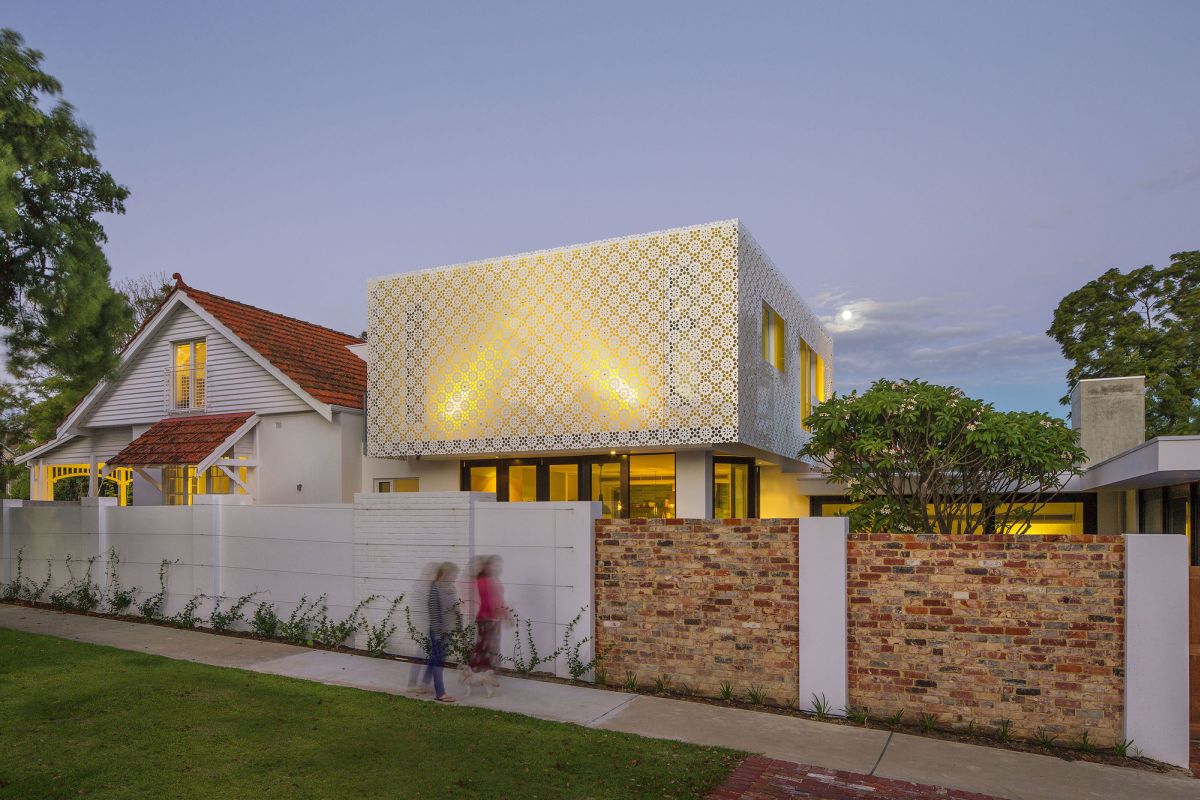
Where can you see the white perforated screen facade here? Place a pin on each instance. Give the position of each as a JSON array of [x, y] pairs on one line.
[[624, 343]]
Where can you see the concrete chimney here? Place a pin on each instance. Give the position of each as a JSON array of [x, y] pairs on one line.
[[1110, 415]]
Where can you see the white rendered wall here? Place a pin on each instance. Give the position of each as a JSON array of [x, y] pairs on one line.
[[433, 475], [693, 484], [1156, 646], [548, 552], [299, 450], [822, 577]]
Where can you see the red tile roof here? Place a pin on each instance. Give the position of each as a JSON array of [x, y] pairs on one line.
[[315, 357], [180, 440]]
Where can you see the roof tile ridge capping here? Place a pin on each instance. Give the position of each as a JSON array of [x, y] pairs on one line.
[[192, 291]]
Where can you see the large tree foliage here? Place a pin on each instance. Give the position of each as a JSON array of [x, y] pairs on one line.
[[65, 322], [1142, 322], [925, 458]]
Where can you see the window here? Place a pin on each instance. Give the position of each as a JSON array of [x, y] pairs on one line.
[[812, 382], [772, 337], [175, 486], [482, 479], [734, 488], [398, 485], [522, 483], [652, 485], [189, 374], [564, 481]]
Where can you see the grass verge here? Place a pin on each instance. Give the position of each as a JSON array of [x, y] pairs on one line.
[[81, 720]]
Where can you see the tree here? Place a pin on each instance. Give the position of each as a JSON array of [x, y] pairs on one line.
[[144, 294], [1144, 322], [925, 458], [65, 321]]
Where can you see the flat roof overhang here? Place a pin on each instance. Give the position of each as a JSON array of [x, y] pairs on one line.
[[1162, 461]]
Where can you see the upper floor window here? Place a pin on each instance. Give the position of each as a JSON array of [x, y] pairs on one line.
[[812, 381], [772, 337], [188, 375]]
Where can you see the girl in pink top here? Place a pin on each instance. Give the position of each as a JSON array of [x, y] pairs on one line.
[[485, 658]]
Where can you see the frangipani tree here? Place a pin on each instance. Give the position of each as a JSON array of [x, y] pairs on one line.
[[923, 458]]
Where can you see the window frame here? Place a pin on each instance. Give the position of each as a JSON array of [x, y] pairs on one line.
[[194, 367], [774, 338]]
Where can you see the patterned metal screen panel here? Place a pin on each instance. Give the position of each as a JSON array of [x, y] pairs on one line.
[[621, 343], [630, 342]]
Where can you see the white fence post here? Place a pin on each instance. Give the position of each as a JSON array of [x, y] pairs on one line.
[[822, 624], [1156, 645], [6, 535], [93, 517]]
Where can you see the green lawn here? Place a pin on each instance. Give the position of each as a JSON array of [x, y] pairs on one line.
[[79, 720]]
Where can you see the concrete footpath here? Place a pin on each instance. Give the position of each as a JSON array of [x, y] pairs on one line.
[[984, 770]]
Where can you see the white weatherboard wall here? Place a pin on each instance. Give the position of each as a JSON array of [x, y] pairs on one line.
[[1156, 646], [822, 631]]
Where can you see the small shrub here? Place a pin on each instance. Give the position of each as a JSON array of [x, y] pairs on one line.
[[117, 598], [972, 729], [687, 690], [662, 684], [36, 591], [420, 637], [576, 666], [265, 621], [77, 594], [820, 706], [1004, 730], [379, 634], [1084, 743], [154, 605], [14, 590], [601, 675], [631, 681], [927, 722], [224, 620], [756, 695], [858, 714], [332, 634], [1122, 749], [187, 617], [527, 663], [461, 641], [297, 628], [895, 719], [791, 702], [1044, 738], [726, 691]]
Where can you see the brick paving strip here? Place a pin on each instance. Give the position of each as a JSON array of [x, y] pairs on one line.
[[768, 779]]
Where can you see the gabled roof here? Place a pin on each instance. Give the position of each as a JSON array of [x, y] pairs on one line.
[[313, 356], [180, 440]]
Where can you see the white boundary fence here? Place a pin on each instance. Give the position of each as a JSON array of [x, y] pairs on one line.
[[381, 545]]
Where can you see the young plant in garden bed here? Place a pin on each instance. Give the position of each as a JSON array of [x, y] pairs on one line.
[[297, 628], [154, 605], [187, 618], [328, 633], [523, 663], [576, 666], [34, 592], [14, 590], [220, 620], [379, 634], [265, 621], [78, 594], [820, 705], [117, 599]]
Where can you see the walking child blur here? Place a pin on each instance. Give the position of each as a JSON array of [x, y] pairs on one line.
[[440, 602], [485, 658]]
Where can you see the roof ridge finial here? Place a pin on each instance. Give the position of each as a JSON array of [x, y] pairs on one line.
[[179, 282]]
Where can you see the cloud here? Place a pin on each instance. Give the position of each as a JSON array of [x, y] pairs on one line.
[[946, 339]]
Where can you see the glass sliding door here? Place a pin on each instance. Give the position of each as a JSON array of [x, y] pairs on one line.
[[606, 487], [564, 481], [652, 485], [733, 489], [481, 479], [522, 483]]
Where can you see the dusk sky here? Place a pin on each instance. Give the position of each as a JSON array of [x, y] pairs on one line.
[[948, 171]]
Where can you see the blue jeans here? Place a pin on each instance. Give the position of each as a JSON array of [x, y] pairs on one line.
[[433, 668]]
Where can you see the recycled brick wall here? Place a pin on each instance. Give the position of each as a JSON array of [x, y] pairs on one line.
[[704, 601], [987, 628]]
